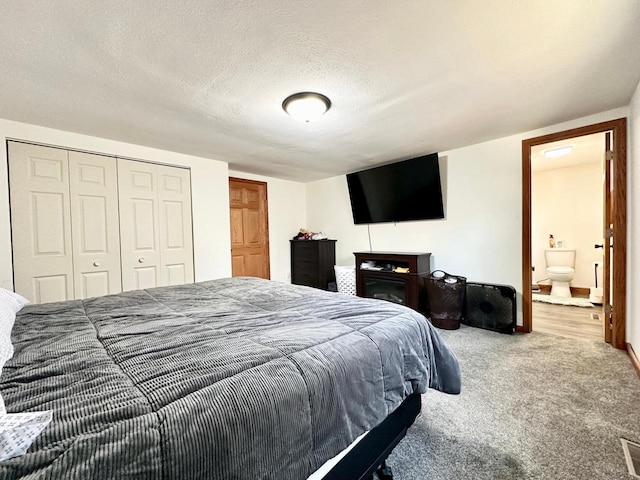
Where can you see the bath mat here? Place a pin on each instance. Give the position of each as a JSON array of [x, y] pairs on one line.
[[572, 301]]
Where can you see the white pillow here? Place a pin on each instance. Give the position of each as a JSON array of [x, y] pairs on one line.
[[10, 304], [17, 430], [12, 299], [7, 319]]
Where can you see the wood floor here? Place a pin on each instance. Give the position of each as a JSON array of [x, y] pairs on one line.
[[571, 322]]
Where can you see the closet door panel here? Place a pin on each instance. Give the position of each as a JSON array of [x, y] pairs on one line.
[[51, 288], [139, 229], [48, 221], [95, 224], [176, 240], [41, 222], [146, 277]]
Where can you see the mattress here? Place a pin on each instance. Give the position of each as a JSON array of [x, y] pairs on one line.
[[237, 378], [332, 462]]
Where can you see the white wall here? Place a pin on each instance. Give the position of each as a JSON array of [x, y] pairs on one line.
[[633, 221], [287, 214], [568, 204], [209, 183], [480, 237]]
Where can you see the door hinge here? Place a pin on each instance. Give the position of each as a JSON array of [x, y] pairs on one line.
[[608, 155], [608, 310], [608, 233]]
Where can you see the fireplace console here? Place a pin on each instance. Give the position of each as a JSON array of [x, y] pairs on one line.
[[393, 276]]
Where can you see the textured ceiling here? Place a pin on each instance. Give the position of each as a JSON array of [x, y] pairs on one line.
[[405, 78]]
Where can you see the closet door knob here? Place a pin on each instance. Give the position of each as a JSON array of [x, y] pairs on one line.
[[96, 263], [141, 260]]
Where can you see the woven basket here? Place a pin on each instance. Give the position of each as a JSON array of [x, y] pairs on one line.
[[346, 279]]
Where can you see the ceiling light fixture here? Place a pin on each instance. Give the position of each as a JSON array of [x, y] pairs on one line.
[[306, 106], [558, 152]]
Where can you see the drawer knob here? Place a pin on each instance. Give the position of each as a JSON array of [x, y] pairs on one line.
[[96, 263], [141, 260]]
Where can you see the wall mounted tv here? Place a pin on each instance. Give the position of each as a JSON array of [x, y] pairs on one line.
[[402, 191]]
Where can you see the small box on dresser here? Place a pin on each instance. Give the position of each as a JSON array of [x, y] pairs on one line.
[[312, 262]]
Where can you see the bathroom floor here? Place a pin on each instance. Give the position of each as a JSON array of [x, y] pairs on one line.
[[567, 321]]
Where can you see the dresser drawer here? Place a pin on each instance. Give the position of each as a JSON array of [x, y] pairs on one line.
[[305, 251]]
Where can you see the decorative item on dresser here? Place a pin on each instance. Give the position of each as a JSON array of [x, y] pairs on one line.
[[394, 276], [312, 262]]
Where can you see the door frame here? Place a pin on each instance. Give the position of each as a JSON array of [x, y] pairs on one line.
[[618, 128]]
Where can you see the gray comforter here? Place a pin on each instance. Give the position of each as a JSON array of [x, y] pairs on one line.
[[228, 379]]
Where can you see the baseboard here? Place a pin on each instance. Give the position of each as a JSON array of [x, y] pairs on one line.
[[574, 290], [634, 358]]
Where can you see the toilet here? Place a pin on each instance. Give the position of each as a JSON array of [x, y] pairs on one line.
[[561, 264]]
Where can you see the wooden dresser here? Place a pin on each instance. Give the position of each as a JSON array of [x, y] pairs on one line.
[[312, 262]]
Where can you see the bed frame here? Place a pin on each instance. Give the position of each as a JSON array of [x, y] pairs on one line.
[[370, 454]]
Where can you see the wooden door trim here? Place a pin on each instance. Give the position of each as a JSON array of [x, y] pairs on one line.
[[619, 129], [634, 358], [608, 204], [267, 265]]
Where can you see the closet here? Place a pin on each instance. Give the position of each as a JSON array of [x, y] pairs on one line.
[[85, 225]]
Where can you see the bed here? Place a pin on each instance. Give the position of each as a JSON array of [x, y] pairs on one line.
[[237, 378]]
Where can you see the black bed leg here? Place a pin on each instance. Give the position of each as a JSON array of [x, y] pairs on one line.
[[384, 471]]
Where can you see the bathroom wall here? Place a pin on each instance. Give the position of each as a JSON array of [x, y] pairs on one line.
[[568, 203]]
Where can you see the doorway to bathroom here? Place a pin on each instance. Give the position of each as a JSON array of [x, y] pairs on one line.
[[567, 206], [574, 205]]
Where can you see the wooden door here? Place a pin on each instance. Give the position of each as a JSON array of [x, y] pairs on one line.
[[41, 222], [607, 273], [176, 238], [249, 228], [95, 224], [139, 229]]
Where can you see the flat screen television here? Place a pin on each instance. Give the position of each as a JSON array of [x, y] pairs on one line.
[[401, 191]]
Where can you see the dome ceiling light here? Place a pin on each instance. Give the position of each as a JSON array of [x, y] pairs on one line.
[[306, 106]]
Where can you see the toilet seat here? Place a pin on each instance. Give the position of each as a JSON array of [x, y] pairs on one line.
[[560, 270]]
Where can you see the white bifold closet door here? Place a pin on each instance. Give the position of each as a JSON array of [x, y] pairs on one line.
[[95, 226], [41, 222], [64, 218], [155, 225], [86, 225], [176, 231]]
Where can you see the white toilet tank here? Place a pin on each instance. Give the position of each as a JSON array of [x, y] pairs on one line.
[[560, 257]]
